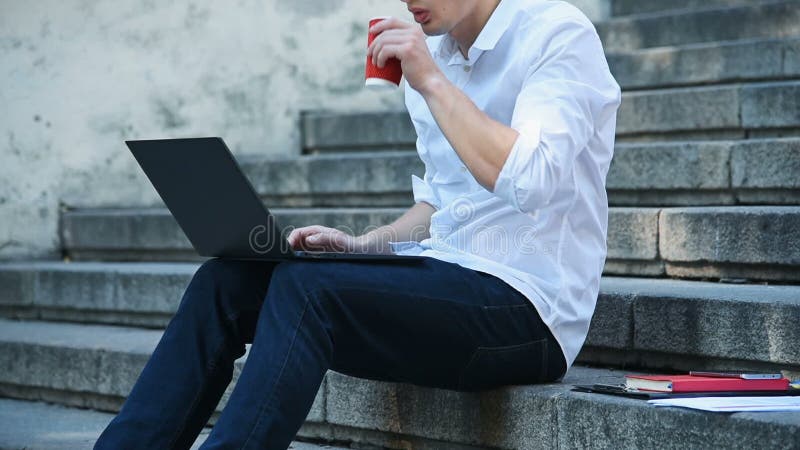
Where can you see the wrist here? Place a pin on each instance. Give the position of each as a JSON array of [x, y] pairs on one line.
[[364, 243], [433, 84], [373, 242]]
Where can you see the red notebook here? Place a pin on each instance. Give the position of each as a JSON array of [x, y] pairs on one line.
[[690, 383]]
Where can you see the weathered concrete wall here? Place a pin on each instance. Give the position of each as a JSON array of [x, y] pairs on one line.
[[79, 77]]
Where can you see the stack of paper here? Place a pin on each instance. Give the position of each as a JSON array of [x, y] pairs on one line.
[[733, 404]]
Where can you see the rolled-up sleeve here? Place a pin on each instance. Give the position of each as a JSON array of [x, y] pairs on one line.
[[423, 192], [423, 187], [567, 91]]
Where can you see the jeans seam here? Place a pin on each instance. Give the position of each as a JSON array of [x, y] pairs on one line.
[[280, 372], [506, 306], [209, 370]]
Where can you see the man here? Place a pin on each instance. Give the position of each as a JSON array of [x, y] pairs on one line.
[[514, 107]]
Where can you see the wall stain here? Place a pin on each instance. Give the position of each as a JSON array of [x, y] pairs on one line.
[[168, 112], [111, 125], [244, 103], [45, 31], [307, 8], [358, 33], [290, 43], [147, 40], [349, 80], [10, 243], [196, 16], [12, 145]]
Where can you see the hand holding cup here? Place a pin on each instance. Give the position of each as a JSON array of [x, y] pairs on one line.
[[387, 75], [394, 39]]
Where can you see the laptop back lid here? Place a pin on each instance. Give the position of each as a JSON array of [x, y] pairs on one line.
[[210, 197]]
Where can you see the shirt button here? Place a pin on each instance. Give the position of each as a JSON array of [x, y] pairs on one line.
[[463, 169], [467, 68]]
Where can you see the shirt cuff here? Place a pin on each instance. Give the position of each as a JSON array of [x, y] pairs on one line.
[[406, 248], [507, 185], [423, 192]]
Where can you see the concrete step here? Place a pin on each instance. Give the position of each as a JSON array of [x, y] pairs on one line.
[[680, 325], [736, 111], [104, 361], [373, 179], [543, 417], [630, 7], [707, 63], [151, 234], [714, 112], [714, 242], [324, 131], [43, 426], [757, 171], [711, 325], [730, 242], [754, 171], [85, 366], [679, 27]]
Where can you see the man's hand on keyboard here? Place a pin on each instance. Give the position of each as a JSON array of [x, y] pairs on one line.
[[321, 239]]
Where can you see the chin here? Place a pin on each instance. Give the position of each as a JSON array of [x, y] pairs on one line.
[[431, 29]]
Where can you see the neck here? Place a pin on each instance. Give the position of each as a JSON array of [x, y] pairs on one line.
[[468, 30]]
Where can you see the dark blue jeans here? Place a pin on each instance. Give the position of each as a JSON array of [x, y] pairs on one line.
[[428, 322]]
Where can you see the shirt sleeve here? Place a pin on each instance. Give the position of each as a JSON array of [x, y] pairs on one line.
[[423, 187], [565, 93]]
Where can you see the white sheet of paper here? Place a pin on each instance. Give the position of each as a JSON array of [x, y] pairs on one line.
[[733, 404]]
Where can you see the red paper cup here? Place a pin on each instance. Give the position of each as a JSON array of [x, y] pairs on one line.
[[391, 73]]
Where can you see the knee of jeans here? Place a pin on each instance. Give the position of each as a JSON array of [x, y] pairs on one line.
[[216, 271], [301, 278], [218, 276]]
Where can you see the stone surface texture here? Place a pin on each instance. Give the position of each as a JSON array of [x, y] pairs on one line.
[[746, 235], [46, 426], [97, 359]]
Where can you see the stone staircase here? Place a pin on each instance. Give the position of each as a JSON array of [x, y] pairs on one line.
[[703, 267]]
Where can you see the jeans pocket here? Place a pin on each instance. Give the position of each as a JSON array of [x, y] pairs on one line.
[[492, 367]]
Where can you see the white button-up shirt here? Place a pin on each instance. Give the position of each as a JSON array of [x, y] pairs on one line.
[[537, 66]]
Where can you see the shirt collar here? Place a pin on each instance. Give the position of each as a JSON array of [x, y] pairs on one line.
[[445, 47], [496, 26]]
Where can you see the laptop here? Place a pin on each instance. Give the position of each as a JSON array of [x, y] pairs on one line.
[[216, 206]]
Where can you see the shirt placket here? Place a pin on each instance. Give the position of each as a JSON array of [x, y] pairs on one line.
[[461, 70]]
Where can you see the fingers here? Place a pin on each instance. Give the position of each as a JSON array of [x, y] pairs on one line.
[[388, 24], [381, 40], [299, 235], [391, 27], [388, 44], [334, 241], [389, 51], [312, 243], [318, 238]]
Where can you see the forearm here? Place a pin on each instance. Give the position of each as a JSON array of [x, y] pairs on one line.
[[482, 143], [413, 225]]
